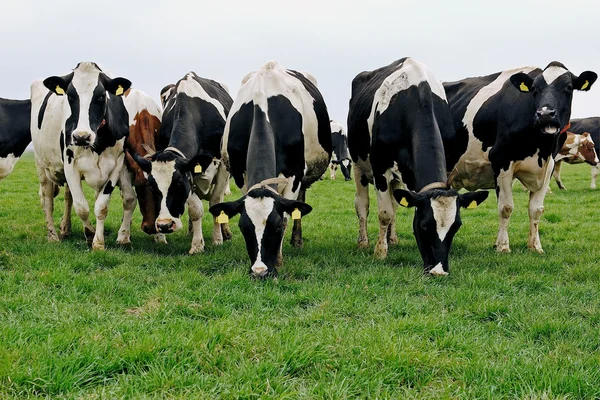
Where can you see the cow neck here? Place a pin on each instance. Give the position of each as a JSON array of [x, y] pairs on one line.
[[261, 160]]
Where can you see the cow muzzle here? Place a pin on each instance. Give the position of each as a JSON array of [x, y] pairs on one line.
[[547, 121], [82, 138], [149, 228], [165, 225], [259, 270]]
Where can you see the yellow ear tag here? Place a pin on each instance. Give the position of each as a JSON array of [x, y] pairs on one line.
[[472, 205], [585, 85], [523, 87], [222, 218], [119, 90], [198, 169], [296, 214], [60, 90], [403, 202]]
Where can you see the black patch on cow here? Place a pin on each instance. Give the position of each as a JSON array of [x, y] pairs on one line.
[[240, 128], [340, 147], [108, 188], [364, 181], [69, 156], [43, 109], [15, 131]]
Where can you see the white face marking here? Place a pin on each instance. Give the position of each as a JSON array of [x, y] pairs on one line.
[[258, 210], [337, 127], [438, 270], [346, 163], [552, 73], [85, 80], [409, 73], [444, 213], [192, 88], [162, 172]]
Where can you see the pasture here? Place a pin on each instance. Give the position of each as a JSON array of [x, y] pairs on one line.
[[150, 321]]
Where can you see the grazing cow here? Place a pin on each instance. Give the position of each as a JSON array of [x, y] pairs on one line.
[[277, 142], [512, 124], [78, 127], [591, 125], [144, 131], [15, 134], [397, 124], [577, 149], [189, 169], [339, 155]]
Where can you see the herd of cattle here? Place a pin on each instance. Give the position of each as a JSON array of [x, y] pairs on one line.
[[418, 141]]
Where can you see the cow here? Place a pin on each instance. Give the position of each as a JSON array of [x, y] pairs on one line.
[[15, 134], [397, 123], [577, 149], [511, 125], [189, 168], [591, 125], [78, 129], [340, 154], [277, 142], [144, 131]]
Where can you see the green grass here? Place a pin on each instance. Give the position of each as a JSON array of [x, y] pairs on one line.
[[150, 321]]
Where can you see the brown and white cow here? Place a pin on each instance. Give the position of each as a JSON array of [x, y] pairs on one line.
[[577, 149]]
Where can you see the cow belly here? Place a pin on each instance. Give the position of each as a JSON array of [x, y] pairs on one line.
[[474, 170], [7, 164], [530, 173], [95, 171], [317, 163]]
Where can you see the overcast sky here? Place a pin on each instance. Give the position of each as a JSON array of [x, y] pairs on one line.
[[154, 43]]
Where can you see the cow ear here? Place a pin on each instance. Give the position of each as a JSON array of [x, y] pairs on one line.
[[585, 80], [297, 209], [472, 199], [56, 84], [522, 82], [406, 198], [145, 164], [116, 86], [229, 208], [198, 164]]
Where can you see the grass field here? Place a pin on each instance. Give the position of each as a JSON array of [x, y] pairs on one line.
[[150, 321]]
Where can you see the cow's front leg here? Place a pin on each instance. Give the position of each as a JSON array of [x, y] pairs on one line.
[[594, 176], [220, 232], [79, 201], [536, 209], [556, 175], [195, 212], [129, 202], [65, 224], [361, 204], [505, 208], [296, 239], [46, 192]]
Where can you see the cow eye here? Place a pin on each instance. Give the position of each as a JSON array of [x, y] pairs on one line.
[[100, 99]]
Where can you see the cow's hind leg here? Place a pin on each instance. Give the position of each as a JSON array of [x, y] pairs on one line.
[[46, 192], [297, 240], [129, 202], [65, 224], [385, 208], [505, 209], [556, 175], [361, 204]]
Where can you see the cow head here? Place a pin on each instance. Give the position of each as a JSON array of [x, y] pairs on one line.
[[578, 149], [552, 92], [436, 221], [262, 223], [86, 89], [149, 207], [170, 176]]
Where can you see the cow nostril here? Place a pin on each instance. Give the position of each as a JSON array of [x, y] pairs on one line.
[[552, 113]]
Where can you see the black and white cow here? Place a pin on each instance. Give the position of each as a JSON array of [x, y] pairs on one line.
[[78, 127], [339, 155], [277, 142], [15, 135], [397, 124], [511, 124], [189, 169], [591, 125]]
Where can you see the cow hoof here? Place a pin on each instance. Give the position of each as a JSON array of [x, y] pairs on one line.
[[53, 238], [363, 244], [197, 249], [503, 249], [217, 242], [298, 243], [97, 246], [438, 271], [393, 239], [538, 250], [380, 252], [124, 240], [160, 238]]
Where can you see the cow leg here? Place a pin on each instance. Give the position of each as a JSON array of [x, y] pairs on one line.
[[505, 209], [385, 208], [392, 236], [46, 192], [195, 212], [296, 240], [332, 170], [361, 204], [65, 224], [279, 262], [129, 203], [536, 209], [556, 175], [80, 204], [220, 232], [594, 176]]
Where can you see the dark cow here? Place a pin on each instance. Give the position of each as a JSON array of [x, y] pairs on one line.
[[78, 128], [277, 142], [144, 133], [511, 124], [15, 134], [577, 149], [397, 122], [591, 125], [340, 154], [189, 169]]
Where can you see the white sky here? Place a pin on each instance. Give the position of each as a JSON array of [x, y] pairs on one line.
[[154, 43]]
